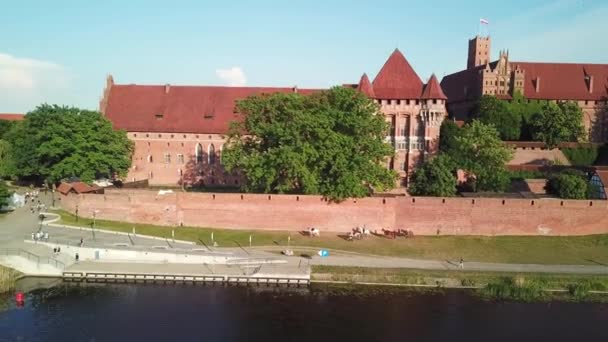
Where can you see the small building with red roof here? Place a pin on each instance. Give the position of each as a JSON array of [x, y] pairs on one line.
[[582, 83], [179, 131], [11, 117]]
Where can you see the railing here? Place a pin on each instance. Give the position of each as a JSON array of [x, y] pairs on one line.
[[33, 257]]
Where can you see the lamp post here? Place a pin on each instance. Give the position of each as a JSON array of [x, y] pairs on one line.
[[94, 217], [76, 213]]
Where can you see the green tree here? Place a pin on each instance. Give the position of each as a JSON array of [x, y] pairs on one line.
[[436, 177], [6, 163], [4, 194], [556, 123], [5, 126], [570, 184], [493, 111], [447, 135], [480, 152], [329, 143], [55, 142], [524, 108]]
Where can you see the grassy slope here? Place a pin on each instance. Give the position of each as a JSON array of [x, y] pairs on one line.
[[590, 250]]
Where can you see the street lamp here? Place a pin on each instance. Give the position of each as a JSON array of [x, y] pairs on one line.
[[94, 217], [76, 213]]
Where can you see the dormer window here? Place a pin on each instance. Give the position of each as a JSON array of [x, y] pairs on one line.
[[158, 116]]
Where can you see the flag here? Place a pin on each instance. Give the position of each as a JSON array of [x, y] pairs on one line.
[[484, 21]]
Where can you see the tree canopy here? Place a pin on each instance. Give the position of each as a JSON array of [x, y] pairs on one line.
[[447, 135], [54, 142], [556, 123], [329, 143], [4, 194], [491, 110], [5, 126], [437, 177], [480, 152]]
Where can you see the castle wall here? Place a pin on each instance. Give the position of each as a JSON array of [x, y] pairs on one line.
[[423, 215]]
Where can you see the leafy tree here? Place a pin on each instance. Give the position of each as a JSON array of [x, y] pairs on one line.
[[54, 143], [447, 135], [4, 194], [493, 111], [581, 156], [556, 123], [481, 153], [570, 184], [5, 126], [329, 143], [6, 163], [525, 109], [435, 177]]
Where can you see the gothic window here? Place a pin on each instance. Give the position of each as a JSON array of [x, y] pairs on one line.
[[180, 158], [167, 158], [211, 154], [199, 153], [402, 166]]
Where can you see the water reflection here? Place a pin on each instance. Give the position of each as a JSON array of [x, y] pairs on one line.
[[69, 312]]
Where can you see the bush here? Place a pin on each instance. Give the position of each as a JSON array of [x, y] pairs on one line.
[[526, 174], [512, 289], [570, 184], [582, 156]]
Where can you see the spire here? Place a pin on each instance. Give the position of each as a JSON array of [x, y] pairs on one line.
[[397, 79], [433, 90], [366, 87]]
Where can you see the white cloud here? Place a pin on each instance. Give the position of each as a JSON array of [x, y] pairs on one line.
[[233, 77], [26, 74]]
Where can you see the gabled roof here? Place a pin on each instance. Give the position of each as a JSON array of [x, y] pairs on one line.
[[564, 81], [77, 187], [11, 117], [397, 79], [432, 90], [366, 87], [180, 109]]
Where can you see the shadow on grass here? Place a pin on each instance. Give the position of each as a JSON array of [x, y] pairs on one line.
[[596, 262]]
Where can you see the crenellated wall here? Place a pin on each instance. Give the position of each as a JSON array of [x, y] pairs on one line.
[[423, 215]]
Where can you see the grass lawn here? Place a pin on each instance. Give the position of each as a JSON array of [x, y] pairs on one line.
[[579, 250]]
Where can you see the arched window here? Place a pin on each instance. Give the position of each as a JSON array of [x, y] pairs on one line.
[[150, 160], [211, 154], [199, 153]]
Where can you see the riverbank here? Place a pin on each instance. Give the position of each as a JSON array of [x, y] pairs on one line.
[[8, 279], [573, 250], [490, 285]]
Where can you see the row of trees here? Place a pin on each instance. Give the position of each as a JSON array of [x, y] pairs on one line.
[[53, 143], [476, 149], [551, 123]]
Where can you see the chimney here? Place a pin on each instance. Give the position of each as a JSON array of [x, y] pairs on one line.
[[295, 89], [590, 83], [537, 85], [167, 88]]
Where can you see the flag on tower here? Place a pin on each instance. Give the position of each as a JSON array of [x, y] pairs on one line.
[[484, 21]]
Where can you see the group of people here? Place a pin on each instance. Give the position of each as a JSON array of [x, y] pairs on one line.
[[36, 204]]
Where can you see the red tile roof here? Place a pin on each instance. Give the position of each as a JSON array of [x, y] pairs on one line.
[[432, 90], [184, 109], [564, 81], [11, 117], [77, 187], [397, 79], [558, 81], [366, 87]]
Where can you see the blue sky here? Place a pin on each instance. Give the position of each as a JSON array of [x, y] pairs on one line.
[[60, 51]]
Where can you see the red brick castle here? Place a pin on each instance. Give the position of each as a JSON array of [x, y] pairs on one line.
[[179, 131]]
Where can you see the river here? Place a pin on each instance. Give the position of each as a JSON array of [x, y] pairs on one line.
[[219, 313]]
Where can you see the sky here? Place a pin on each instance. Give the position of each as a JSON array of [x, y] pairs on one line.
[[61, 51]]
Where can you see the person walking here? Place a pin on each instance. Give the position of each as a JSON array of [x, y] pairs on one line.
[[77, 257], [461, 265]]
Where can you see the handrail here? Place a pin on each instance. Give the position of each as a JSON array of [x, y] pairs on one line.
[[31, 256]]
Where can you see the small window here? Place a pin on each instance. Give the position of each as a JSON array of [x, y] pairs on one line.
[[398, 102], [167, 158], [434, 101], [180, 158], [184, 136], [160, 135], [402, 166], [417, 102], [407, 102], [208, 116], [159, 116], [150, 159], [135, 135]]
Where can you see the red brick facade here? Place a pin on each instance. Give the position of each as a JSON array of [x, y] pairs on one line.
[[584, 84], [179, 131], [452, 216]]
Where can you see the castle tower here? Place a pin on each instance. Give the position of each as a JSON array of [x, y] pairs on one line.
[[479, 51]]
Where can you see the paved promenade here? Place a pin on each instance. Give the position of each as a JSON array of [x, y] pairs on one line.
[[18, 226]]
